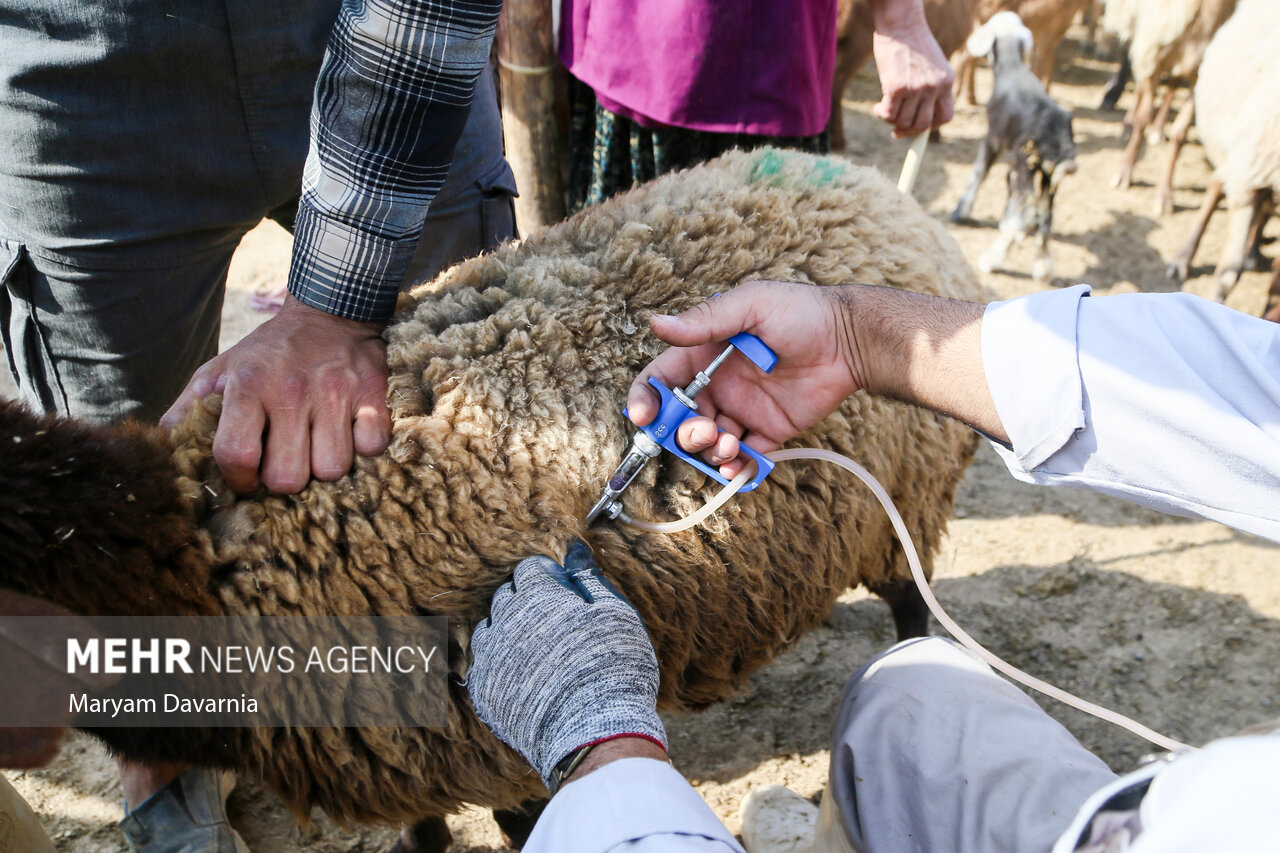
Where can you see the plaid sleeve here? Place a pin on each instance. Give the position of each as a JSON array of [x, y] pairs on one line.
[[393, 95]]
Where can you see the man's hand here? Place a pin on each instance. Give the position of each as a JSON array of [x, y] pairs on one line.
[[808, 327], [915, 77], [300, 395], [830, 342], [563, 661]]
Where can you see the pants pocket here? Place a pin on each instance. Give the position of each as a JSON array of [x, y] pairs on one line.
[[25, 347]]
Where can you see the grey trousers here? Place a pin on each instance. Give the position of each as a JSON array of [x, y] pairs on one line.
[[932, 752], [138, 143]]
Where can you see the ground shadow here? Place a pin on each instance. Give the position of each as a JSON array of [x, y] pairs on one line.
[[1194, 665]]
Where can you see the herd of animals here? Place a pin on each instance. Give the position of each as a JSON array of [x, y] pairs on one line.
[[1227, 52], [506, 377]]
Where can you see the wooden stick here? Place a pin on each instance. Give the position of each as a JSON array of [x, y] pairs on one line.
[[911, 165]]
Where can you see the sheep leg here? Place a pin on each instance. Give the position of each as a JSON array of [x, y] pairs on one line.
[[1254, 260], [1273, 294], [429, 835], [1042, 67], [962, 66], [1155, 133], [853, 48], [1178, 137], [517, 824], [1180, 266], [1237, 244], [987, 152], [1115, 86], [910, 613], [1141, 119]]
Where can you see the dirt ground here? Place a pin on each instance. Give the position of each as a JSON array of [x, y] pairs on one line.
[[1174, 622]]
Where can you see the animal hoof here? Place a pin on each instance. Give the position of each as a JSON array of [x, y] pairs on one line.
[[1176, 271], [777, 820], [1041, 270], [1164, 205]]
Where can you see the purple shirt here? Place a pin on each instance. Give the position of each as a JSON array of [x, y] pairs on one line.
[[730, 66]]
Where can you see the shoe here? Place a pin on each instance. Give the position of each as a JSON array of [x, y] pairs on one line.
[[189, 815], [777, 820]]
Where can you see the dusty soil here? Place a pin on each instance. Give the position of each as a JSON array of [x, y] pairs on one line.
[[1174, 622]]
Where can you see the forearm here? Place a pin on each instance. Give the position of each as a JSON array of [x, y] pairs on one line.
[[923, 350], [392, 99], [893, 15]]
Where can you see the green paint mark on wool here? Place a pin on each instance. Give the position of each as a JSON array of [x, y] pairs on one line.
[[771, 163], [768, 166]]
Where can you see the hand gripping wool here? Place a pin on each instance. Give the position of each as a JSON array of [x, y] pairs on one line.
[[508, 374]]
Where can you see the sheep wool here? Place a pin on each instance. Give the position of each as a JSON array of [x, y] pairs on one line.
[[508, 375]]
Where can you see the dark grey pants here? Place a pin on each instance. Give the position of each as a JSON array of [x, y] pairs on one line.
[[138, 143]]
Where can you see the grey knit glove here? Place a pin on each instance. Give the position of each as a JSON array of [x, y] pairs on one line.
[[563, 661]]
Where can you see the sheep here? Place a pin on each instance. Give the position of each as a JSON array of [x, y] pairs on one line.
[[508, 374], [1165, 38], [1025, 120], [1239, 126], [1048, 21], [950, 21]]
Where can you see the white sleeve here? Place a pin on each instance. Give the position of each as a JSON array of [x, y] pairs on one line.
[[1222, 797], [1166, 400], [636, 805]]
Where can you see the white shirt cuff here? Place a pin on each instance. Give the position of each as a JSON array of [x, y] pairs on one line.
[[630, 800]]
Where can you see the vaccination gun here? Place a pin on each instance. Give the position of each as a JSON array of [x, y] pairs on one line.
[[676, 407]]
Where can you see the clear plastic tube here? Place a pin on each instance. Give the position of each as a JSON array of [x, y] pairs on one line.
[[917, 574]]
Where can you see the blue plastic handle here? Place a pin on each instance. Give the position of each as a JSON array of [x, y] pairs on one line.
[[673, 412]]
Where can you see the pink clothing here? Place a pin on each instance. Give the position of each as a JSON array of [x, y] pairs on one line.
[[729, 66]]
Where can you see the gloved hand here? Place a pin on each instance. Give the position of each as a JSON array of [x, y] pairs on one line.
[[563, 661]]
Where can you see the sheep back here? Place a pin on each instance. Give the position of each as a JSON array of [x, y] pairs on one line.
[[1237, 112], [508, 374]]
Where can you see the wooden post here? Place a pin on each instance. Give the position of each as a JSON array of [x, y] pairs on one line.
[[526, 64]]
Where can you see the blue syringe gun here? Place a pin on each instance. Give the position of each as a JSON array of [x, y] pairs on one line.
[[677, 406]]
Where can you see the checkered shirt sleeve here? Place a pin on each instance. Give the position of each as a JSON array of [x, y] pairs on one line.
[[391, 100]]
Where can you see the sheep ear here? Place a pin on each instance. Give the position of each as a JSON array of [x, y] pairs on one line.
[[981, 41]]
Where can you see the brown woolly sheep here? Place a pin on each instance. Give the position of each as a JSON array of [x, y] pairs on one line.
[[507, 376]]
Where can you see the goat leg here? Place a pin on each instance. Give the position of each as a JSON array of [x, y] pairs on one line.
[[987, 153]]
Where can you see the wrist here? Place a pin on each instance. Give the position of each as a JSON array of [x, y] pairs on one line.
[[296, 312], [896, 18], [613, 749]]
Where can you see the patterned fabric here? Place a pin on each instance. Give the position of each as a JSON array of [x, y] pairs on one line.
[[609, 153], [391, 101]]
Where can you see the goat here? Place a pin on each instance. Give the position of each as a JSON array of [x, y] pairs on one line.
[[1021, 117]]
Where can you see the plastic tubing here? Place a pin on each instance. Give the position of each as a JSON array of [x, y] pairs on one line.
[[917, 574]]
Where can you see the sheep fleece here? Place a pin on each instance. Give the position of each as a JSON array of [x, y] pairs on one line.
[[508, 374]]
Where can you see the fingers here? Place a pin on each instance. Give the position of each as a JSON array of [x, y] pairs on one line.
[[207, 380], [237, 445], [705, 324]]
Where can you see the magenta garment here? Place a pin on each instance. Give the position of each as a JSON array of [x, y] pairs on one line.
[[730, 66]]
